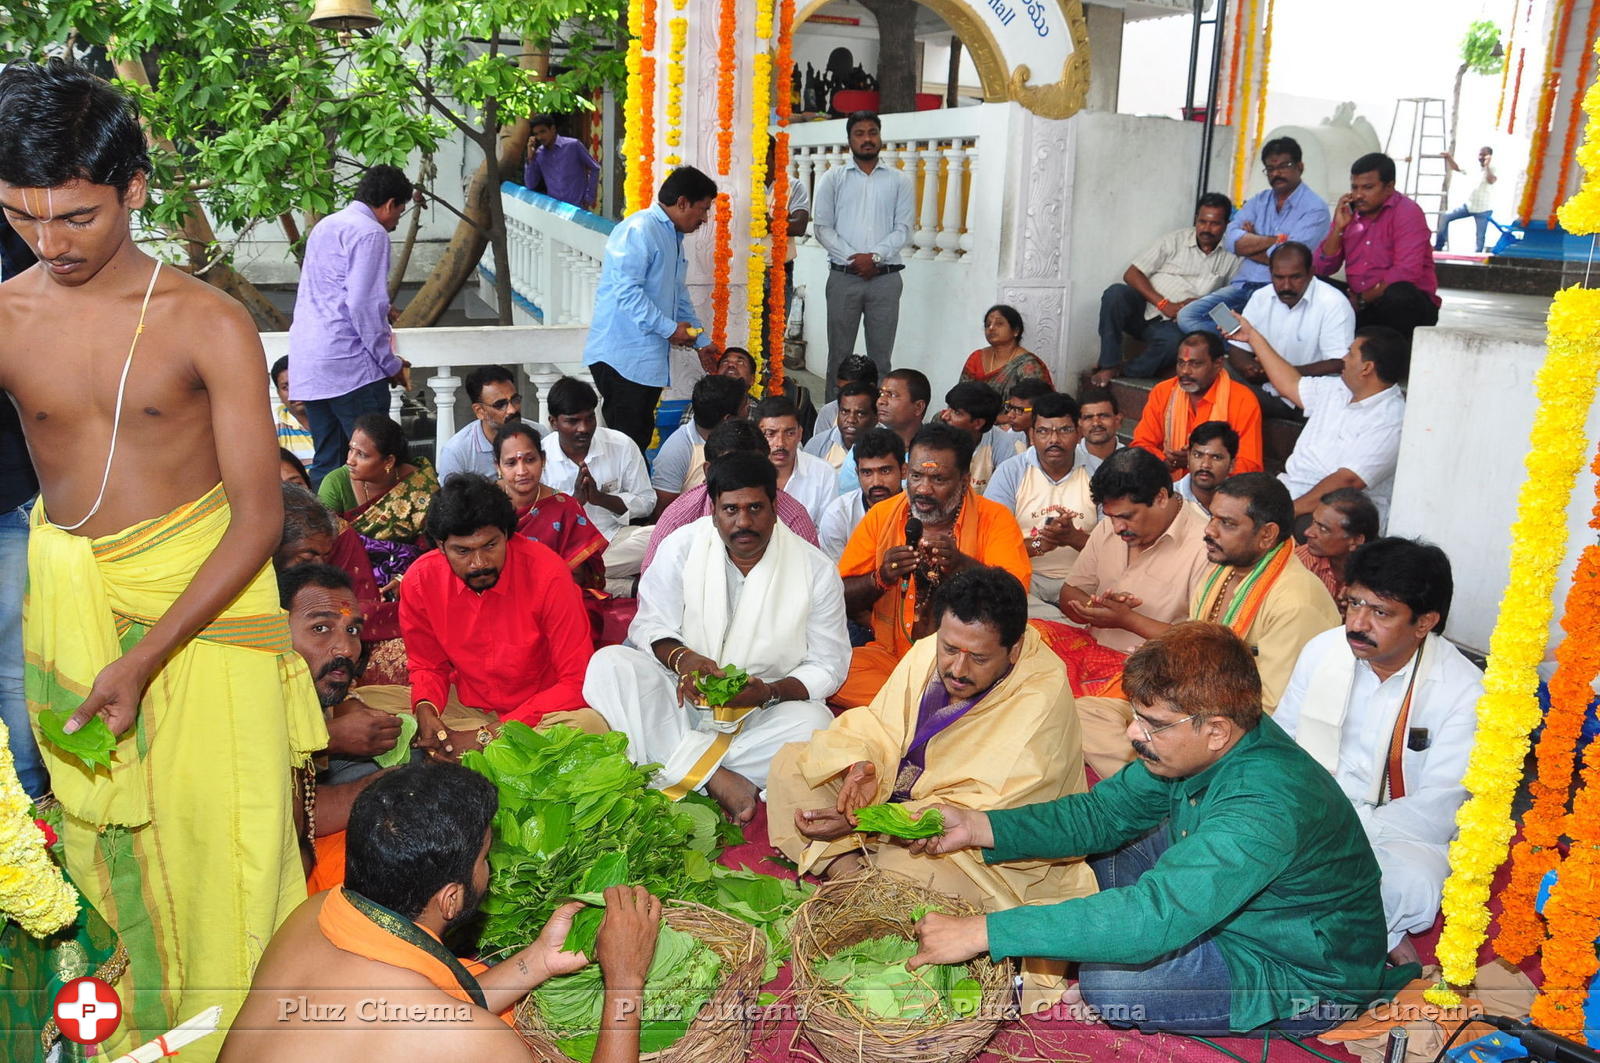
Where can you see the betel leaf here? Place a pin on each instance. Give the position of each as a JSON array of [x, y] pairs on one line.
[[874, 974], [402, 744], [92, 743], [719, 690], [894, 820]]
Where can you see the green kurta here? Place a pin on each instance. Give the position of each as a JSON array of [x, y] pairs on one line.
[[1265, 849]]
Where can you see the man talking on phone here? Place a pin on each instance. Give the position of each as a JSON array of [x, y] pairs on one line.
[[1380, 237]]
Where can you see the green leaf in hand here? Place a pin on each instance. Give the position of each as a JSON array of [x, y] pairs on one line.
[[92, 743], [402, 743], [719, 690], [894, 820]]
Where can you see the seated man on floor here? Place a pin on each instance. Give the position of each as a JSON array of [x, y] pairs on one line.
[[973, 407], [1344, 519], [1200, 392], [904, 547], [1049, 495], [1353, 420], [880, 461], [1380, 237], [604, 471], [680, 463], [1098, 422], [492, 390], [903, 399], [494, 616], [805, 477], [729, 437], [349, 973], [1389, 706], [856, 369], [736, 589], [1175, 271], [1238, 889], [856, 411], [1213, 446], [1307, 320], [977, 715]]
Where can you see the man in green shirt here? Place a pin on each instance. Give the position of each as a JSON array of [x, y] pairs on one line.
[[1239, 889]]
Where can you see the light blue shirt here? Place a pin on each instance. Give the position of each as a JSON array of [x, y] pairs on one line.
[[469, 450], [1304, 218], [1007, 477], [864, 213], [641, 298]]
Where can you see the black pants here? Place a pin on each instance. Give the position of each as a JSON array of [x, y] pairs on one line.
[[1402, 307], [628, 407]]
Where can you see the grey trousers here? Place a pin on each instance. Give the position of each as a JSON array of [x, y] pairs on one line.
[[850, 299]]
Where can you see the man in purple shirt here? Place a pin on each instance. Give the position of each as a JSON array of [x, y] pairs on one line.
[[558, 166], [1381, 238], [341, 348]]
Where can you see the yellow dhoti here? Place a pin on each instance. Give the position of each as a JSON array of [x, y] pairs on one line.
[[185, 845]]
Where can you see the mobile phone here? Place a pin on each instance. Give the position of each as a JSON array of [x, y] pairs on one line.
[[1227, 321]]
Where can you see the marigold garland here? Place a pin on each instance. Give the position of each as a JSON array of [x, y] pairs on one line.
[[722, 260], [777, 309], [1233, 68], [1261, 89], [1241, 159], [1581, 213], [1541, 125], [632, 122], [1516, 90], [32, 888], [647, 132], [1505, 67], [677, 43], [1567, 149], [1508, 710], [760, 110]]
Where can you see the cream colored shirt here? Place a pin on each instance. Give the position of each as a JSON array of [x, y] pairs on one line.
[[1164, 577], [1179, 270]]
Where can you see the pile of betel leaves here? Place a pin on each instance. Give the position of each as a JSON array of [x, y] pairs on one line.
[[873, 974]]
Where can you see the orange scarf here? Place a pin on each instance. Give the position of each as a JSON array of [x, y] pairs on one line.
[[1180, 411], [895, 611]]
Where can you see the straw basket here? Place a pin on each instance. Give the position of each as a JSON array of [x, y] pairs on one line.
[[877, 904], [720, 1033]]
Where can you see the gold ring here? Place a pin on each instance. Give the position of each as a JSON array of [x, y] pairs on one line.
[[441, 734]]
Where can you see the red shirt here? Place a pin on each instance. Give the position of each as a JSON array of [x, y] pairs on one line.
[[519, 649], [1391, 246]]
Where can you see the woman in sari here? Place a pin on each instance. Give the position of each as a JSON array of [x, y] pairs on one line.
[[1005, 361], [384, 494], [544, 514]]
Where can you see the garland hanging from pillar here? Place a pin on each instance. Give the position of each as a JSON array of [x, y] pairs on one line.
[[760, 116], [677, 41], [1547, 100], [777, 306], [722, 260], [1569, 145], [632, 125], [1249, 84], [1261, 91]]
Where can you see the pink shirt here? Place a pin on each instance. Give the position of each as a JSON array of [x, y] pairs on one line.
[[695, 503], [1392, 245]]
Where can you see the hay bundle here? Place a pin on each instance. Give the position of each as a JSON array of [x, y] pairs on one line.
[[720, 1032], [878, 904]]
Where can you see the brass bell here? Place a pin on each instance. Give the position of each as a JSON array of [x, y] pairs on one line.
[[344, 15]]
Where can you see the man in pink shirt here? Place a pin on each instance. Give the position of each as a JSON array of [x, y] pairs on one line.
[[1381, 238]]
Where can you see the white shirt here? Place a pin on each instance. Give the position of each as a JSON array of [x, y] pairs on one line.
[[618, 469], [1363, 437], [799, 199], [1320, 326], [1185, 488], [469, 450], [671, 468], [814, 484], [827, 653], [1090, 462], [864, 213], [839, 520], [1004, 444], [1444, 702]]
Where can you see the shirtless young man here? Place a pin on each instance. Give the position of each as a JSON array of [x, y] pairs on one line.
[[151, 602]]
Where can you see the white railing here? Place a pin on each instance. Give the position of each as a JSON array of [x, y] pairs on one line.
[[555, 251]]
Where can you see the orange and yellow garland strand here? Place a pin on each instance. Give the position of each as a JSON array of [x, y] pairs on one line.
[[1261, 90], [776, 307], [760, 110], [677, 42], [1547, 100], [722, 260], [632, 149], [1568, 145]]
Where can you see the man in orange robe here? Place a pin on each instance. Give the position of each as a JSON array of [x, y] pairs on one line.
[[1200, 392]]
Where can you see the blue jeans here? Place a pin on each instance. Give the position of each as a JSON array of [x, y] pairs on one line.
[[1443, 234], [13, 706], [1196, 317], [332, 421]]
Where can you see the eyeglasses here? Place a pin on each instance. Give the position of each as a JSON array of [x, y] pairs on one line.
[[504, 404], [1282, 167], [1012, 407], [1048, 432], [1151, 732], [1380, 613]]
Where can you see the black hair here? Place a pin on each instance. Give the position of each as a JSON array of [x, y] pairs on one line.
[[1374, 160], [741, 352], [416, 830], [467, 503], [1387, 349], [569, 397], [1358, 514], [1029, 388], [1132, 473], [936, 435], [280, 366], [1008, 312], [1295, 249], [1216, 432], [861, 116], [1215, 200], [290, 458], [739, 470], [774, 406], [859, 387], [59, 123], [1209, 340], [1280, 146], [715, 399], [1266, 499], [880, 442], [975, 399], [296, 578], [1093, 395], [916, 383], [386, 435], [985, 595], [546, 120], [382, 185], [1404, 570], [513, 429], [857, 367], [304, 515], [485, 375], [731, 437], [686, 183], [1055, 404]]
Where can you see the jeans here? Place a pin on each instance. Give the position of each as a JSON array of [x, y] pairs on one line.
[[1481, 218], [1196, 317], [627, 406], [13, 706], [1122, 310], [332, 421]]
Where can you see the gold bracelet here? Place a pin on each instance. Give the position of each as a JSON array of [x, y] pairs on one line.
[[674, 657]]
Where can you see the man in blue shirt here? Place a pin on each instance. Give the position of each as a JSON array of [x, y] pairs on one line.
[[1286, 210], [558, 166], [642, 306]]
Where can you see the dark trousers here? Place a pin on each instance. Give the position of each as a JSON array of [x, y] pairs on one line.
[[332, 421], [627, 406], [1122, 311], [1403, 308]]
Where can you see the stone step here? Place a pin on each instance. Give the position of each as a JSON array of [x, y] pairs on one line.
[[1277, 436]]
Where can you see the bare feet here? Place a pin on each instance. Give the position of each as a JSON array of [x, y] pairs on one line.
[[842, 866], [1404, 953], [736, 794]]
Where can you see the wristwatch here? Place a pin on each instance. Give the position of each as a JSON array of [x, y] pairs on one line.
[[485, 736], [877, 259]]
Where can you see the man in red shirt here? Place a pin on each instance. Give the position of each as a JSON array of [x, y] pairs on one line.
[[1381, 238], [492, 613]]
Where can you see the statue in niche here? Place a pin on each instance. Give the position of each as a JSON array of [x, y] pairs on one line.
[[845, 73]]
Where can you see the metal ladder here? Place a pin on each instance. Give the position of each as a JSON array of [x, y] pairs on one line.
[[1217, 22], [1419, 157]]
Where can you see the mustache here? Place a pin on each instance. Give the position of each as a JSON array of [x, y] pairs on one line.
[[338, 662], [481, 573], [1358, 637], [1145, 752]]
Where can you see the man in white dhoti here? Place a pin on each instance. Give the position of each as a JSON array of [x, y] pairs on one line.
[[1389, 707], [736, 588]]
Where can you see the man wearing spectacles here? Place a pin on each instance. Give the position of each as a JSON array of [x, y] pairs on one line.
[[495, 400], [1239, 891], [1390, 708]]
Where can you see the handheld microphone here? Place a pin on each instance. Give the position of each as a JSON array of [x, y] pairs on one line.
[[913, 532], [1542, 1044]]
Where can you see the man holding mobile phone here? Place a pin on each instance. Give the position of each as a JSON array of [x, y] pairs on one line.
[[1381, 239]]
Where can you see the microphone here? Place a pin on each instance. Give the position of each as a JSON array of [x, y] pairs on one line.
[[1542, 1044], [913, 532]]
